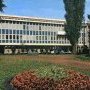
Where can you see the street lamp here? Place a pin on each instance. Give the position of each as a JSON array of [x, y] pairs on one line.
[[89, 34]]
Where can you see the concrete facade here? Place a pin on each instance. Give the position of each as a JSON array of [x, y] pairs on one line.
[[36, 33]]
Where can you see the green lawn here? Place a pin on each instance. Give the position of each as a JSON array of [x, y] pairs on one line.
[[10, 65], [83, 57]]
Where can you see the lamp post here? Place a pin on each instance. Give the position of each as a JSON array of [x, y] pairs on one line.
[[89, 33]]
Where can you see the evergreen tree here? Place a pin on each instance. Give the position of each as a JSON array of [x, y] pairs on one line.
[[2, 5], [74, 16]]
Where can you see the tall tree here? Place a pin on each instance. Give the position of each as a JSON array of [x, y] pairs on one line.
[[74, 16], [2, 5]]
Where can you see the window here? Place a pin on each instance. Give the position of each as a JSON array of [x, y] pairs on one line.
[[10, 41], [36, 37], [27, 41], [6, 41], [24, 32], [0, 31], [17, 41], [27, 27], [30, 32], [42, 37], [10, 31], [45, 37], [36, 32], [14, 41], [33, 41], [27, 32], [13, 36], [39, 37], [3, 37], [39, 32], [39, 27], [24, 27], [33, 32], [6, 31], [20, 41], [42, 32], [20, 31], [17, 37], [24, 41], [48, 33], [51, 33], [14, 31], [10, 22], [10, 36], [30, 41], [20, 22], [51, 38], [21, 37], [6, 36], [3, 31], [3, 41], [17, 31]]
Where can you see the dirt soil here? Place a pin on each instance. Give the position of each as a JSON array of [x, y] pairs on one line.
[[68, 60]]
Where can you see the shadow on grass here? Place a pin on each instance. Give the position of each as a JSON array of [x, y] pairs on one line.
[[7, 84]]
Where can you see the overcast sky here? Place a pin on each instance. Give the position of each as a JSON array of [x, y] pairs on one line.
[[39, 8]]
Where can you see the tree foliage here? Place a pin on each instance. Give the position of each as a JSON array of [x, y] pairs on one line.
[[74, 16], [2, 5]]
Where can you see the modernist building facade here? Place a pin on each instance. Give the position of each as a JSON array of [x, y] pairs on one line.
[[36, 33]]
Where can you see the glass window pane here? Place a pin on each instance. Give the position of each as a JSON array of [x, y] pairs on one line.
[[10, 36], [20, 31], [17, 31], [6, 36], [23, 26], [33, 32], [0, 31], [27, 32], [24, 32], [30, 32], [3, 31], [10, 31], [14, 31]]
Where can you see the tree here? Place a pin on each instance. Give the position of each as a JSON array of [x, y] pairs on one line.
[[89, 34], [2, 5], [74, 16]]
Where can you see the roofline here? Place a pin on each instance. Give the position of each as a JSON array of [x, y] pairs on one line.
[[32, 17]]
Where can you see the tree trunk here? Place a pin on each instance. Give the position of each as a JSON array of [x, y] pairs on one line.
[[74, 49]]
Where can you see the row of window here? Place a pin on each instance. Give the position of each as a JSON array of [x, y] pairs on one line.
[[24, 41], [32, 23], [36, 37], [26, 32]]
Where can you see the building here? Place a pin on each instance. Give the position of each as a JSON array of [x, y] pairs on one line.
[[32, 33]]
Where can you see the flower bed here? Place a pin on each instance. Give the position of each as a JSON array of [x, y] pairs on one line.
[[30, 81]]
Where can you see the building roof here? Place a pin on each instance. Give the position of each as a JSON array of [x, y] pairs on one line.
[[31, 19]]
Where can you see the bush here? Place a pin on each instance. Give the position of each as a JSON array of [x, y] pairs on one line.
[[29, 81]]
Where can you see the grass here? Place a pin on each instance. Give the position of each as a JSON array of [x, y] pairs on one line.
[[83, 57], [10, 65]]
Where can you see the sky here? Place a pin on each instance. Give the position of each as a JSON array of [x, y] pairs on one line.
[[39, 8]]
